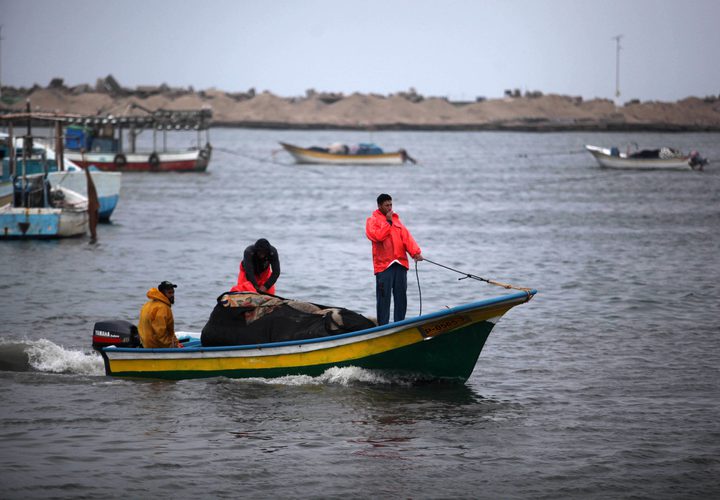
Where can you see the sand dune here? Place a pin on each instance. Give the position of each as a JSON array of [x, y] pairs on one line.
[[398, 111]]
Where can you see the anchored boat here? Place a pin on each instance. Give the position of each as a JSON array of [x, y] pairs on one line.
[[39, 211], [110, 142], [442, 345], [339, 154], [30, 205], [42, 158], [647, 159]]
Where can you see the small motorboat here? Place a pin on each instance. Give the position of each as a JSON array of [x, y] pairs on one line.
[[107, 185], [341, 154], [647, 159], [39, 211], [442, 345], [68, 175], [32, 207], [41, 158]]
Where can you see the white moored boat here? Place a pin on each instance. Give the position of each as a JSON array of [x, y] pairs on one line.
[[647, 159]]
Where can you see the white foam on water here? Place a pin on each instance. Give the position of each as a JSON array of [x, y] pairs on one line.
[[344, 376], [46, 356]]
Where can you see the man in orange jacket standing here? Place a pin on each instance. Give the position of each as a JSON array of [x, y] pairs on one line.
[[391, 243]]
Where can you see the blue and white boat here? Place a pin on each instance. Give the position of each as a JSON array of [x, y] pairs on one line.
[[43, 160], [107, 185], [33, 208], [62, 213], [38, 210]]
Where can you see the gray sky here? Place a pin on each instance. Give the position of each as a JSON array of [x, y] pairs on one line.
[[455, 48]]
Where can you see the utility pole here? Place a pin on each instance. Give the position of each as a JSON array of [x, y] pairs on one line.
[[617, 64]]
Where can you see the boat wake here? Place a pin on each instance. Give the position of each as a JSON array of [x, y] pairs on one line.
[[46, 356], [345, 376]]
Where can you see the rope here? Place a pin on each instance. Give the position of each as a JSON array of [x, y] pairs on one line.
[[465, 276], [249, 157], [575, 152], [479, 278], [417, 277]]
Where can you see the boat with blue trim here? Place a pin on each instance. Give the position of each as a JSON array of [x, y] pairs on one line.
[[19, 156], [107, 185], [442, 345], [31, 207], [342, 154]]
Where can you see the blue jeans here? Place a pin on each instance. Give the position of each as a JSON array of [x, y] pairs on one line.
[[391, 282]]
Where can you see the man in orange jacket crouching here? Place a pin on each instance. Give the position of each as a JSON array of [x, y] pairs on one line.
[[391, 243]]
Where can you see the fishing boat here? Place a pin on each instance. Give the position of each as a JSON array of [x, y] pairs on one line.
[[107, 185], [441, 345], [110, 142], [340, 154], [69, 175], [35, 208], [39, 211], [647, 159], [6, 189]]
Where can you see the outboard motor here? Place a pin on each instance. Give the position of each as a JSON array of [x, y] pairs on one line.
[[697, 162], [117, 333]]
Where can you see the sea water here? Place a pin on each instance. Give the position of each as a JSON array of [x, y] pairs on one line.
[[605, 385]]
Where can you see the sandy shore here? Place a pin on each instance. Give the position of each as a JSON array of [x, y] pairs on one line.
[[400, 111]]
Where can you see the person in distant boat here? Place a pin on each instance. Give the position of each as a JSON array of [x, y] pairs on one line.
[[338, 148], [391, 243], [156, 325], [259, 269]]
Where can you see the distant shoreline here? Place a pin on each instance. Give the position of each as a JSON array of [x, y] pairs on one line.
[[492, 127], [408, 111]]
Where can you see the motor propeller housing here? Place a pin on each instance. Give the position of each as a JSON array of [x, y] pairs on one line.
[[117, 333]]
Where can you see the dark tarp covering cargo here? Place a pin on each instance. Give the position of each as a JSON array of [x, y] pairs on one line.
[[241, 318]]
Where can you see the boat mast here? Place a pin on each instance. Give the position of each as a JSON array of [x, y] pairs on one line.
[[59, 153], [27, 151], [1, 61], [13, 157]]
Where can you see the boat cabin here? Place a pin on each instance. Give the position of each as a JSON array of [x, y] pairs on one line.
[[119, 134]]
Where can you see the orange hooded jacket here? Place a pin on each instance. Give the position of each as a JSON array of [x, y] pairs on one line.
[[156, 325], [390, 242], [245, 285]]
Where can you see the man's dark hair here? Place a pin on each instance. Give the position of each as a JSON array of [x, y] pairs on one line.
[[262, 245], [383, 198]]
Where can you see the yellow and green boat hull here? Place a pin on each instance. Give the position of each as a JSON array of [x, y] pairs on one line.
[[313, 157], [441, 345]]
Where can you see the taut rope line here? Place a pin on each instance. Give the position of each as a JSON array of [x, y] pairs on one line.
[[465, 276], [479, 278]]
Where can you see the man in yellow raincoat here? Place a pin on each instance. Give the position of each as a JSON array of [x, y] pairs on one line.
[[156, 325]]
